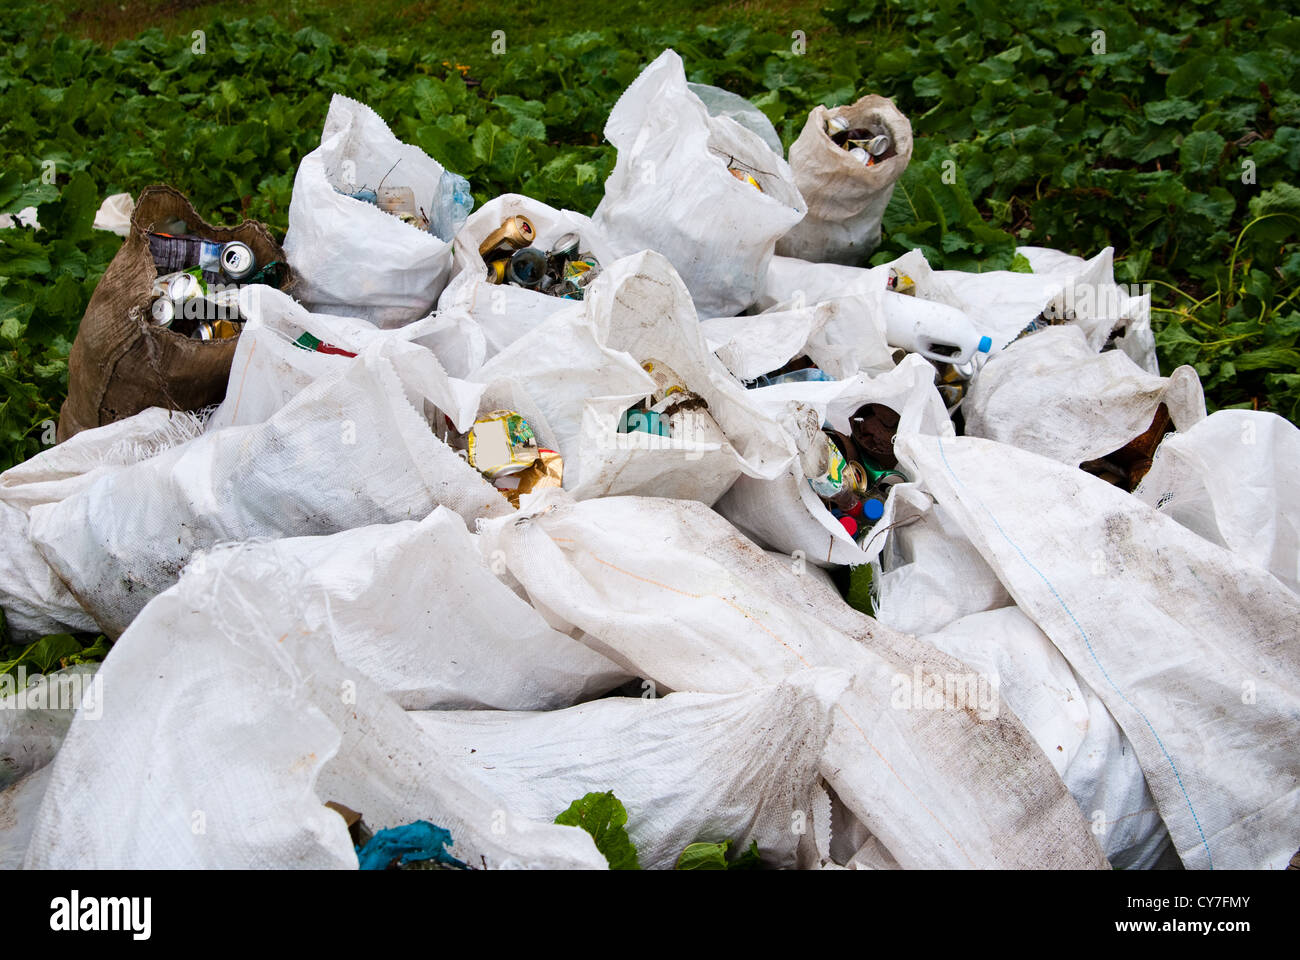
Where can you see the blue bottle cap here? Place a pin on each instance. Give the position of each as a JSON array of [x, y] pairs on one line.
[[873, 509], [986, 344]]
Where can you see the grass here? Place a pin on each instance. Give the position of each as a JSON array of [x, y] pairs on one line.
[[453, 28]]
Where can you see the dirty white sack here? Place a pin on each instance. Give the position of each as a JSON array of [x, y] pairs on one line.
[[417, 609], [1070, 724], [1232, 479], [36, 602], [1052, 393], [501, 313], [351, 257], [690, 767], [671, 190], [1191, 647], [672, 590], [284, 347], [583, 370], [785, 513], [838, 336], [1065, 288], [925, 572], [347, 451], [208, 671], [35, 713]]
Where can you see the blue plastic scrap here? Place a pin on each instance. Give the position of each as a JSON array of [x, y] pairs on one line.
[[406, 844]]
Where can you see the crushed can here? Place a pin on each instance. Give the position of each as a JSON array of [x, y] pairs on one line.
[[546, 471], [216, 330], [687, 412], [501, 443], [900, 283], [854, 488], [951, 382], [581, 271], [316, 345], [877, 145], [182, 287]]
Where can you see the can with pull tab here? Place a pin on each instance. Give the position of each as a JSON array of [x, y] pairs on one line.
[[516, 232], [237, 260]]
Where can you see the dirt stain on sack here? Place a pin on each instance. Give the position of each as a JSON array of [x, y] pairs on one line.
[[8, 815]]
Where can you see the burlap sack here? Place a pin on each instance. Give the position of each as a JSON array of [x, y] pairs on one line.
[[845, 199], [121, 362]]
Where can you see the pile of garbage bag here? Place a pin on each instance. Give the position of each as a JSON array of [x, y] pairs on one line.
[[463, 530]]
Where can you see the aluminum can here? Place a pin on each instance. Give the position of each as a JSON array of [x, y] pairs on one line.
[[237, 260], [516, 232]]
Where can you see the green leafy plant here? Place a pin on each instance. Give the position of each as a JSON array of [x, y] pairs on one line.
[[859, 590], [603, 816], [713, 856], [52, 653]]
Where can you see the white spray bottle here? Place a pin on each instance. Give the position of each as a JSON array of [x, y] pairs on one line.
[[936, 331]]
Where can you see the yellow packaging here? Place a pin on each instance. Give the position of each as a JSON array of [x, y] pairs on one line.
[[501, 443]]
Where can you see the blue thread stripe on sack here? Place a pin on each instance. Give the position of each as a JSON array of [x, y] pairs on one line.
[[1083, 633]]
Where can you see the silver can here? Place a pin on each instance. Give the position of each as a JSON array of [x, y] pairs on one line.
[[184, 286], [836, 125], [163, 311], [237, 260]]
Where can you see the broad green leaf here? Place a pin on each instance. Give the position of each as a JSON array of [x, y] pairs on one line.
[[1200, 151], [16, 195], [603, 816], [704, 856], [1163, 111]]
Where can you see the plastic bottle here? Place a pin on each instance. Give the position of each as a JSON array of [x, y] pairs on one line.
[[826, 473], [936, 331], [451, 207]]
